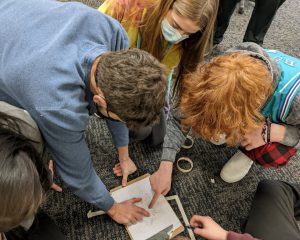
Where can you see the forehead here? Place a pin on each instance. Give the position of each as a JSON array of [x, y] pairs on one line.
[[184, 23]]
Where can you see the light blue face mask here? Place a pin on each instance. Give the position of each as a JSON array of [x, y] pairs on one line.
[[171, 34]]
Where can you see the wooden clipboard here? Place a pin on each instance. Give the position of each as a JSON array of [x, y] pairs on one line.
[[175, 232], [131, 182]]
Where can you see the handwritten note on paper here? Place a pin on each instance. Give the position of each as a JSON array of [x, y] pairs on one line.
[[162, 215]]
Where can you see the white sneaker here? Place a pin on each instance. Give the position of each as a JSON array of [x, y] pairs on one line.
[[236, 168]]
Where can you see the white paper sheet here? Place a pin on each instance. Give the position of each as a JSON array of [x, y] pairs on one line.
[[162, 215]]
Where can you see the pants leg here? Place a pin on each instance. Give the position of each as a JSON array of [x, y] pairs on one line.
[[261, 19], [225, 11], [155, 133], [274, 211]]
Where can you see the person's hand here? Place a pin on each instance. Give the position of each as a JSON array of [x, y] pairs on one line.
[[54, 186], [126, 165], [253, 139], [124, 168], [161, 181], [207, 228], [127, 212]]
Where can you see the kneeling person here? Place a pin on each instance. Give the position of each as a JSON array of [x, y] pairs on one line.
[[68, 63], [251, 96]]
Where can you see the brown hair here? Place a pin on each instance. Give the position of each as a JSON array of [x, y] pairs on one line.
[[23, 175], [134, 85], [226, 96], [193, 48]]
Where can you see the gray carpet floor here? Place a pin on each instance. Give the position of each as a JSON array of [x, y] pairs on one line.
[[228, 204]]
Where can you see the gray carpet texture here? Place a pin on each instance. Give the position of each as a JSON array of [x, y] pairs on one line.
[[228, 204]]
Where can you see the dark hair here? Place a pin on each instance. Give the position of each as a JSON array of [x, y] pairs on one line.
[[23, 174], [134, 85]]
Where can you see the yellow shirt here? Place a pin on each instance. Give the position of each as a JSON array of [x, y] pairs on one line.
[[129, 13]]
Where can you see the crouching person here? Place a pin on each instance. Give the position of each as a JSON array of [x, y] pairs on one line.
[[251, 96]]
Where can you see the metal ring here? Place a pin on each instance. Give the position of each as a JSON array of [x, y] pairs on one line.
[[186, 159], [188, 146]]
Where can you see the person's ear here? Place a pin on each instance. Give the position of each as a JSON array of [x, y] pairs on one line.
[[99, 100]]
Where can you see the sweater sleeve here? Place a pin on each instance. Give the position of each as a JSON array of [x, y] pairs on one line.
[[239, 236], [119, 132], [174, 137], [74, 165]]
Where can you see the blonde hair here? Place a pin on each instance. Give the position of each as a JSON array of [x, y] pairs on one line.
[[226, 96], [193, 48]]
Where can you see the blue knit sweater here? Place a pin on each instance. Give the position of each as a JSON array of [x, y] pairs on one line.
[[46, 52]]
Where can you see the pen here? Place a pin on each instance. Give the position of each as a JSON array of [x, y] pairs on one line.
[[191, 227]]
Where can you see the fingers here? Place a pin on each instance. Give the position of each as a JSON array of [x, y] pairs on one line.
[[51, 167], [143, 212], [134, 200], [124, 179], [156, 193], [127, 212], [249, 147], [117, 170], [244, 143], [154, 199], [197, 220], [137, 213], [199, 231], [137, 209], [133, 219], [117, 167], [56, 188]]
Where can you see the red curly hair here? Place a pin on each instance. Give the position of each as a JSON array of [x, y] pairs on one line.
[[225, 96]]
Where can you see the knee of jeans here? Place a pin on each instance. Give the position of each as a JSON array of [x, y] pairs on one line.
[[270, 188]]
